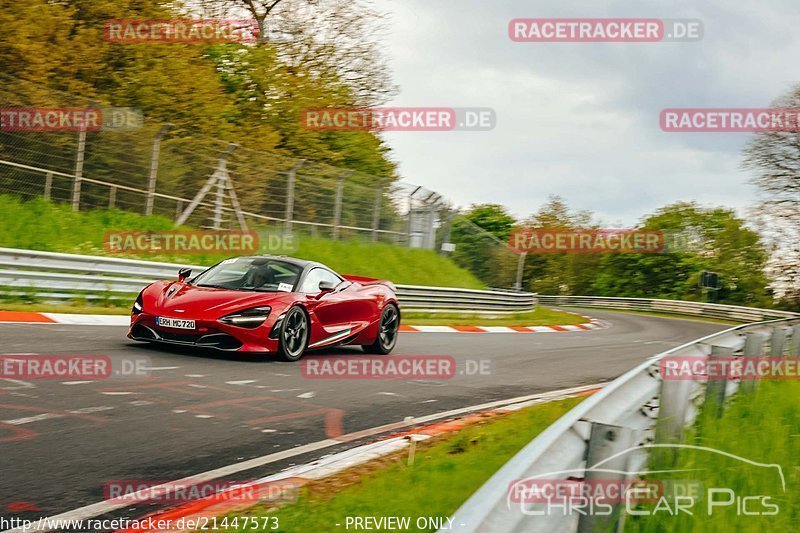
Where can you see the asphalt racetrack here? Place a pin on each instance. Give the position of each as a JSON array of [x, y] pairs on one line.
[[62, 442]]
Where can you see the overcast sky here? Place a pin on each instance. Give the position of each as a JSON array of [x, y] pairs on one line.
[[581, 119]]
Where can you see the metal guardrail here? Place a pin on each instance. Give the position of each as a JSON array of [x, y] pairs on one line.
[[679, 307], [60, 276], [634, 412]]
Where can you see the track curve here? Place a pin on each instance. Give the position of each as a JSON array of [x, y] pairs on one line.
[[203, 411]]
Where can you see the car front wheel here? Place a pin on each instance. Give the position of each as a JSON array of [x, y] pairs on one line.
[[294, 335]]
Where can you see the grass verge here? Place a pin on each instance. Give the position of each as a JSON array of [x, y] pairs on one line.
[[42, 225], [764, 428], [446, 471]]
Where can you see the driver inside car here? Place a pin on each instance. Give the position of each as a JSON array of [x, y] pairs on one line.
[[258, 276]]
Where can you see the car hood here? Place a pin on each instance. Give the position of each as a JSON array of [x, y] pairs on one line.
[[192, 301]]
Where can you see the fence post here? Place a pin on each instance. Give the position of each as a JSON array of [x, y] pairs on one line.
[[376, 210], [290, 197], [411, 216], [219, 175], [112, 197], [48, 185], [76, 184], [337, 206], [606, 446], [520, 269], [154, 156]]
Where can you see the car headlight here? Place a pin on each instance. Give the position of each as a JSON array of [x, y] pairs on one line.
[[249, 318], [137, 305]]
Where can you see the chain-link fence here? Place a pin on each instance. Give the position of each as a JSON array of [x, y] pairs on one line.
[[198, 181]]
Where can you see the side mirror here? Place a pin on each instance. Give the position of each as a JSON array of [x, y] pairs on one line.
[[326, 286], [184, 273]]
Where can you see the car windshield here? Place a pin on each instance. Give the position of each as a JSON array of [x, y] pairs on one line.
[[251, 274]]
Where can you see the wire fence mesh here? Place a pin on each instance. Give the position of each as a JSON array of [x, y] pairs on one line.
[[147, 169]]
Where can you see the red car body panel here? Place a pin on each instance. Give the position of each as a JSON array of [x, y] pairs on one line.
[[348, 315]]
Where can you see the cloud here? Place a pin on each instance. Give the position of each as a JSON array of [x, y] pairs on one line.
[[581, 119]]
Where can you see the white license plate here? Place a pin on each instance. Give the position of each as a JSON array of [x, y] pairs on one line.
[[178, 323]]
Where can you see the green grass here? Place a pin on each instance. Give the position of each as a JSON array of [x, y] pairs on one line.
[[542, 316], [42, 225], [765, 428], [445, 472]]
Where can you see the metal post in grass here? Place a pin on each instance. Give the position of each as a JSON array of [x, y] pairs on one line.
[[112, 197], [409, 226], [520, 270], [79, 158], [48, 185], [376, 210], [154, 156], [290, 197], [219, 174], [777, 342], [337, 206], [606, 451], [753, 348], [76, 183], [715, 387]]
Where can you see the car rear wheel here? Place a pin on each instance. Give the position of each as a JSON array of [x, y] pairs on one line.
[[294, 335], [387, 331]]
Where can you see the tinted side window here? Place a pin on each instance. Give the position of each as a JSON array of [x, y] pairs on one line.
[[315, 276]]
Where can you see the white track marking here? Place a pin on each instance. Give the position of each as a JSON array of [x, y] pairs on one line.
[[241, 382], [103, 507], [76, 382], [29, 419], [121, 393], [195, 375], [152, 368], [309, 394]]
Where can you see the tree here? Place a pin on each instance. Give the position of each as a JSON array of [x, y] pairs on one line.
[[481, 238], [774, 158]]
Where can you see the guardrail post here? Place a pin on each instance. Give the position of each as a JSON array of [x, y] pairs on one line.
[[753, 347], [337, 207], [48, 185], [777, 342], [672, 407], [606, 445], [715, 388], [796, 341]]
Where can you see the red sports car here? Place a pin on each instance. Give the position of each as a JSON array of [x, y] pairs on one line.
[[268, 304]]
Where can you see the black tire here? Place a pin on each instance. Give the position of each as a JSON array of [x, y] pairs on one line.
[[294, 335], [388, 326]]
